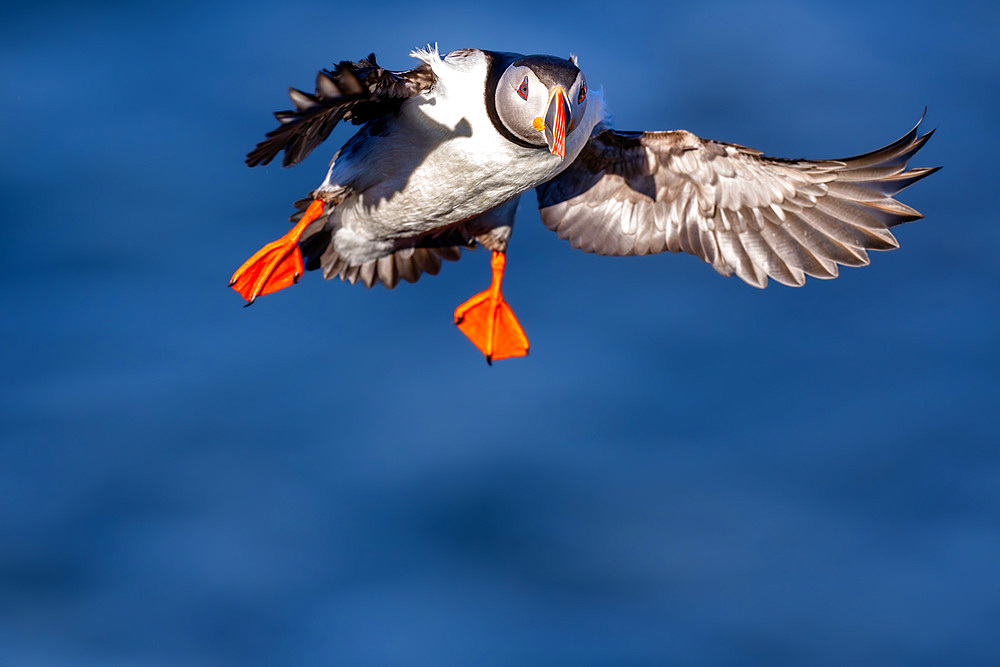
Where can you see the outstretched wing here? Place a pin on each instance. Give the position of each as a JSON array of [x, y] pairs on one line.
[[357, 92], [636, 193]]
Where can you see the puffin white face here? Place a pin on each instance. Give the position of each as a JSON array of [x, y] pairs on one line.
[[540, 99]]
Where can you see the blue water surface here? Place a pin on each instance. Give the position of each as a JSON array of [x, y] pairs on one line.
[[685, 470]]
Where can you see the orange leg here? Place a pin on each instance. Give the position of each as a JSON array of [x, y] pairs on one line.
[[489, 322], [278, 264]]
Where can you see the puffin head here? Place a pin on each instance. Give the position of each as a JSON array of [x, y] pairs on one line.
[[540, 99]]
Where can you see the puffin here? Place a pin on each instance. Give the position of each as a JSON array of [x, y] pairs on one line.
[[446, 149]]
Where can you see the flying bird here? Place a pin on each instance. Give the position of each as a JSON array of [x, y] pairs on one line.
[[447, 148]]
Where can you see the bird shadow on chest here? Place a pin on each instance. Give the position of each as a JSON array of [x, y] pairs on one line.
[[389, 152]]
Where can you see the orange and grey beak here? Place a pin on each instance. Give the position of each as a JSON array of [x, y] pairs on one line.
[[557, 119]]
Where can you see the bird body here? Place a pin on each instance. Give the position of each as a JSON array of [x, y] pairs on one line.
[[437, 162], [446, 150]]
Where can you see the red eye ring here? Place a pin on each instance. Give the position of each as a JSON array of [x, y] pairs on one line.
[[522, 90], [583, 93]]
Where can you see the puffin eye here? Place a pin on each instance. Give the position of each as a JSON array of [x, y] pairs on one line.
[[522, 90], [583, 93]]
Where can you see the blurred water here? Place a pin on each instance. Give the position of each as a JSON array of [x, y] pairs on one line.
[[684, 470]]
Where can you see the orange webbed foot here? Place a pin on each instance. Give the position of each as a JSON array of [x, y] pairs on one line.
[[488, 321], [278, 264]]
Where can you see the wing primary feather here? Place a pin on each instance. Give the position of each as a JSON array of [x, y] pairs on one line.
[[791, 249], [770, 261], [854, 239], [891, 184], [822, 247]]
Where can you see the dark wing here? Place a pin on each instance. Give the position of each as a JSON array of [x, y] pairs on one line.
[[357, 92], [636, 193]]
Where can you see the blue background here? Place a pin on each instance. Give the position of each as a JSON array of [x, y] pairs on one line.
[[685, 469]]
